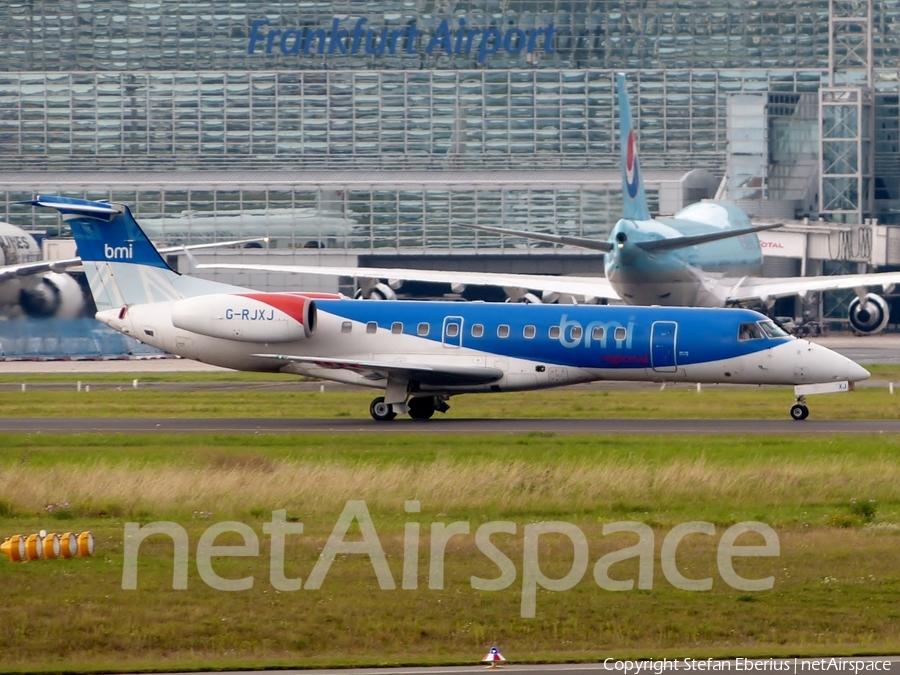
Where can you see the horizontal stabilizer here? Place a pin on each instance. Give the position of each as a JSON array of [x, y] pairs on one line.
[[582, 242], [70, 205], [447, 376], [693, 240]]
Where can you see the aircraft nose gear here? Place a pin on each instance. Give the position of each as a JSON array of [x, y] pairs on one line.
[[799, 411], [381, 411]]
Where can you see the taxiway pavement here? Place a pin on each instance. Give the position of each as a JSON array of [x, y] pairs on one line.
[[445, 426]]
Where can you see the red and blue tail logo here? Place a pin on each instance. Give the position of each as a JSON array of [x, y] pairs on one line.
[[634, 199], [632, 173]]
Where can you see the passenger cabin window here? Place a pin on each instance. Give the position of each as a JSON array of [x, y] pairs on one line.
[[477, 330], [554, 333], [423, 328], [452, 329], [750, 331], [372, 327], [772, 329], [502, 331], [346, 326], [529, 332], [621, 333], [397, 328], [597, 333], [576, 332]]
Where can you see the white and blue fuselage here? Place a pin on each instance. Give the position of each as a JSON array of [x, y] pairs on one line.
[[420, 353], [517, 347]]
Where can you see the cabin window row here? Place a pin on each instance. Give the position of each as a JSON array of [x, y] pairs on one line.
[[503, 330]]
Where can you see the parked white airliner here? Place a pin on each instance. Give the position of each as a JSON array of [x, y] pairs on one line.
[[707, 255]]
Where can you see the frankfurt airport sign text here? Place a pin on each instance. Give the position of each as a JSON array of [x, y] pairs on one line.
[[357, 38]]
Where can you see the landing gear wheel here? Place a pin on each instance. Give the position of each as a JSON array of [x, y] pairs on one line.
[[421, 407], [381, 411], [799, 411]]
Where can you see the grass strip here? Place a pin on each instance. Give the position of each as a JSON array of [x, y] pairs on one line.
[[251, 400], [835, 579]]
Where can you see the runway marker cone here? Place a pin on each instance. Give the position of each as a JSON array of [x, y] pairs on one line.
[[494, 656], [85, 544], [68, 545], [34, 547], [14, 547], [52, 547]]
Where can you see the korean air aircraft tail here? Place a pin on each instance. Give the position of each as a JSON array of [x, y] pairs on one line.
[[634, 199], [122, 265]]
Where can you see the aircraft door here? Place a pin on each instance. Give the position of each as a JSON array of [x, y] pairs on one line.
[[452, 333], [662, 346]]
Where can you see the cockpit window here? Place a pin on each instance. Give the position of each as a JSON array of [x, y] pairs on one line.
[[750, 331], [772, 329]]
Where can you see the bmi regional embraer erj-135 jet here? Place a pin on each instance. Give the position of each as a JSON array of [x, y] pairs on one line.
[[707, 255], [422, 353]]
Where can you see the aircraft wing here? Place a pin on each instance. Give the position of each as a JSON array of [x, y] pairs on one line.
[[215, 244], [25, 269], [669, 244], [588, 287], [761, 288], [381, 370]]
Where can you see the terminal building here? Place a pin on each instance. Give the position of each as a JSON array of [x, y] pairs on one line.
[[374, 128]]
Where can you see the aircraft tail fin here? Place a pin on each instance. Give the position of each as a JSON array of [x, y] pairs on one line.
[[634, 199], [122, 265]]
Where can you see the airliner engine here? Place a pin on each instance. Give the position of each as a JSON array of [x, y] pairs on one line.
[[51, 294], [248, 317], [43, 295], [870, 315]]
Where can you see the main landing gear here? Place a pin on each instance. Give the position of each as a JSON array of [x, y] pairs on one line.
[[420, 408], [381, 411], [799, 411]]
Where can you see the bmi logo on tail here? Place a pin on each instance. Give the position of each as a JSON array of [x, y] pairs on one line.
[[118, 252]]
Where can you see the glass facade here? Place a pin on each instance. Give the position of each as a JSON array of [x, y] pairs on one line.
[[375, 219], [218, 35], [379, 119], [414, 84], [402, 83]]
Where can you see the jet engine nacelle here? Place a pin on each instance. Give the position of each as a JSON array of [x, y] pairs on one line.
[[526, 298], [248, 317], [869, 315], [376, 291], [52, 294]]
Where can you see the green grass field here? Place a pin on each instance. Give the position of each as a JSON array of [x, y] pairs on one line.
[[833, 502], [260, 399]]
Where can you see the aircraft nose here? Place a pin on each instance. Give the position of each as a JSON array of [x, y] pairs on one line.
[[838, 366]]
